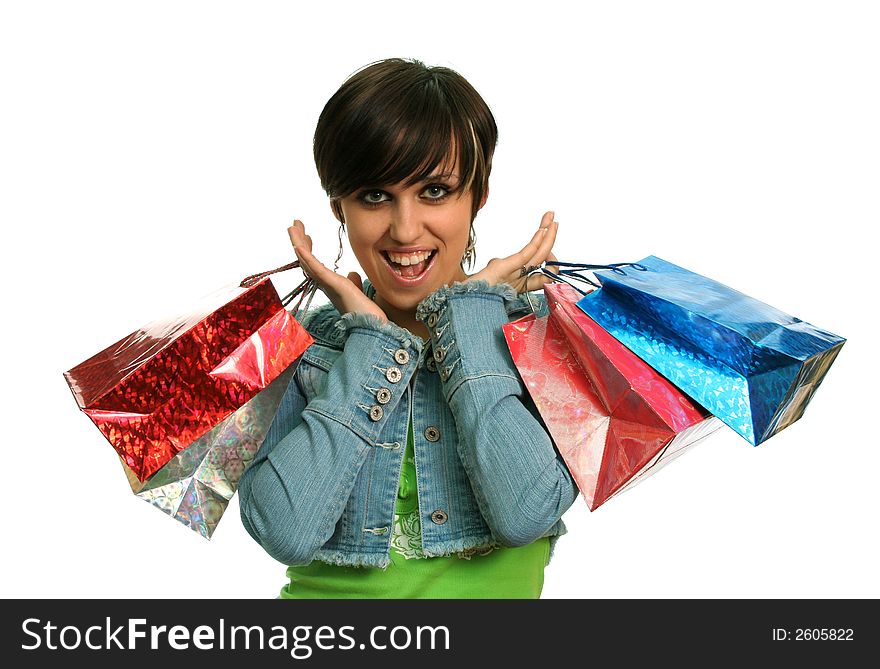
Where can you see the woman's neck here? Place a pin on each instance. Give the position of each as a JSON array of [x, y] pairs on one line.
[[407, 318]]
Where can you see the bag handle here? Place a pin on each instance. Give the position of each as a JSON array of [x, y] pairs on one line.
[[568, 271], [305, 290]]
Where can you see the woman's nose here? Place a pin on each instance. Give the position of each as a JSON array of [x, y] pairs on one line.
[[405, 225]]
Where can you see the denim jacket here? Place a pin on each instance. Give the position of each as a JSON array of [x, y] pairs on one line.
[[324, 483]]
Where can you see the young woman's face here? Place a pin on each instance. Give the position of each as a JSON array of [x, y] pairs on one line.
[[410, 239]]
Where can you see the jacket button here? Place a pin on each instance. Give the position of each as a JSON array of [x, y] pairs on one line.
[[439, 517], [401, 356], [383, 396], [432, 320], [432, 433], [439, 354], [376, 413], [393, 374], [431, 365], [445, 373]]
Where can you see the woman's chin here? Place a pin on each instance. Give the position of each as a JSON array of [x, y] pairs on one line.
[[403, 301]]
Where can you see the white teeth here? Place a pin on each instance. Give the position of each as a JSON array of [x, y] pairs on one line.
[[406, 259]]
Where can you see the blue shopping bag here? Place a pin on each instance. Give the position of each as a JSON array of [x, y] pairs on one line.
[[751, 365]]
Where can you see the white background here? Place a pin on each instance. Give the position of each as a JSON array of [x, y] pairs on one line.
[[153, 152]]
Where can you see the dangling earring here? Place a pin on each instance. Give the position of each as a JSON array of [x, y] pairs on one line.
[[337, 209], [339, 253], [470, 251]]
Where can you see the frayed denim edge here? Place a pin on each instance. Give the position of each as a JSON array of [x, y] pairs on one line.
[[382, 560], [444, 548], [562, 529], [350, 321], [438, 298], [346, 559]]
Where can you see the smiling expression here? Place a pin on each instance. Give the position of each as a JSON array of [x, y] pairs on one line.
[[410, 239]]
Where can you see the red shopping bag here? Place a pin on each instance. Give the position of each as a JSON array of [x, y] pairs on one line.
[[159, 390], [613, 418]]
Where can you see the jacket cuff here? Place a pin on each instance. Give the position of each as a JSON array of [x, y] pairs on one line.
[[465, 323], [437, 300], [375, 368], [351, 321]]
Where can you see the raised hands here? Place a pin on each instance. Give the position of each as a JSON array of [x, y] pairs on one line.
[[515, 269], [345, 293]]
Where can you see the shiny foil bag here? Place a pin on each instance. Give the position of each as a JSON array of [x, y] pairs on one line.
[[751, 365], [613, 419], [195, 486], [162, 388]]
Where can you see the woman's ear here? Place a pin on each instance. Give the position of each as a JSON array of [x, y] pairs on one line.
[[485, 196]]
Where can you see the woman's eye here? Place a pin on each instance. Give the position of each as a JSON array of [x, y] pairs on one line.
[[436, 192], [374, 196]]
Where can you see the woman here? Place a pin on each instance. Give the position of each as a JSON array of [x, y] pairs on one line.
[[405, 459]]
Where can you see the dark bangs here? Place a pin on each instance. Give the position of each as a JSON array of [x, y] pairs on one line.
[[400, 121]]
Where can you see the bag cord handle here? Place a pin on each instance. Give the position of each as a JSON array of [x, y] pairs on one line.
[[571, 271], [305, 290]]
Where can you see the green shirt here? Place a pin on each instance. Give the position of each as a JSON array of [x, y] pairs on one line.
[[496, 573]]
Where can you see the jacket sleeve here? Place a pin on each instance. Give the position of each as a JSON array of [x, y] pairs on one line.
[[520, 482], [296, 489]]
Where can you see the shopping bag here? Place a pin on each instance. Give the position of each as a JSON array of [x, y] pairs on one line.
[[195, 486], [162, 388], [751, 365], [613, 419]]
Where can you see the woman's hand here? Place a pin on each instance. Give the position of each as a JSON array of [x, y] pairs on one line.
[[510, 270], [346, 294]]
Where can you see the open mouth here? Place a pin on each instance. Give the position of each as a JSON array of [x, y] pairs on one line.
[[409, 266]]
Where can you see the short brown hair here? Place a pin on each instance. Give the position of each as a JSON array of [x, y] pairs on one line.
[[396, 121]]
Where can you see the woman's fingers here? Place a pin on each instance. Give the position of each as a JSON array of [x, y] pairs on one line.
[[538, 240], [545, 249], [532, 255], [297, 229], [307, 262], [345, 292], [302, 246], [508, 268], [298, 236], [537, 281], [539, 248], [549, 264]]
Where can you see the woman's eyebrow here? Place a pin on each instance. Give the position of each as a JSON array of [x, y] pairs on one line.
[[441, 175]]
